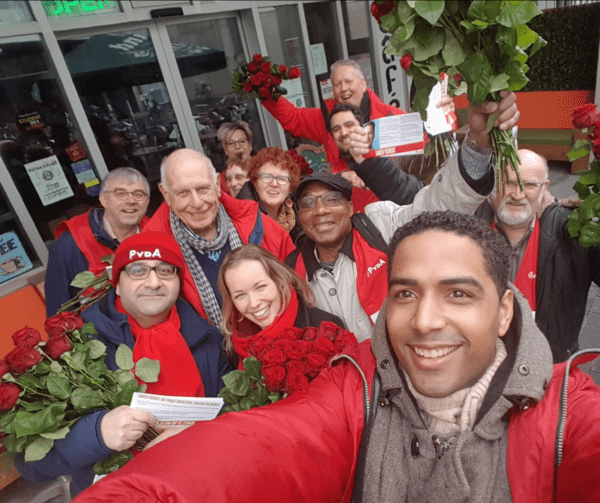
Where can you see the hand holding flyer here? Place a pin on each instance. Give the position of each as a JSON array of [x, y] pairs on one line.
[[177, 410]]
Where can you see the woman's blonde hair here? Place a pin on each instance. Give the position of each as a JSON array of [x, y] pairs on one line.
[[283, 276]]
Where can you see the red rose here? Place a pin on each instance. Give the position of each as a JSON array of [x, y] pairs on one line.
[[4, 368], [595, 132], [328, 329], [294, 73], [405, 61], [256, 80], [290, 334], [258, 347], [310, 333], [315, 363], [252, 67], [65, 321], [282, 69], [343, 338], [295, 350], [248, 86], [257, 58], [379, 10], [596, 148], [273, 357], [295, 382], [585, 116], [265, 67], [275, 80], [281, 344], [265, 78], [58, 345], [324, 346], [274, 377], [22, 358], [295, 366], [27, 337], [9, 394], [457, 78]]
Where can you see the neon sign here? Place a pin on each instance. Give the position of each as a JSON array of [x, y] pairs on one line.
[[76, 8]]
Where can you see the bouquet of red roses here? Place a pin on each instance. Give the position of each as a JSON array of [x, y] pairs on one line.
[[261, 79], [282, 365], [305, 169], [585, 220], [46, 387]]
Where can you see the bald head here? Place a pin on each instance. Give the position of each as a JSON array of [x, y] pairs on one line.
[[184, 156], [530, 159]]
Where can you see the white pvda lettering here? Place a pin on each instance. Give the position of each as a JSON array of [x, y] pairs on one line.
[[144, 254], [370, 270]]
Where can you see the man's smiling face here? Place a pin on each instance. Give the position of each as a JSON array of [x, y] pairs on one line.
[[347, 86], [342, 124]]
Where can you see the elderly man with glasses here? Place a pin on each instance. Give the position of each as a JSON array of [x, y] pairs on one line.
[[548, 266], [145, 313], [82, 241]]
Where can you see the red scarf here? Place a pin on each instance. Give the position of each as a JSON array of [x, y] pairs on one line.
[[245, 331], [179, 374], [526, 279]]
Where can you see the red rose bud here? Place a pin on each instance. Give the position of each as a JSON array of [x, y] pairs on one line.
[[257, 58], [273, 357], [265, 67], [256, 80], [22, 358], [4, 369], [405, 61], [457, 78], [248, 86], [315, 363], [294, 73], [295, 350], [275, 80], [295, 382], [27, 337], [310, 333], [328, 329], [274, 378], [290, 334], [324, 346], [295, 366], [585, 116], [378, 10], [264, 92], [252, 67], [282, 69], [9, 394], [57, 345], [258, 348], [65, 321]]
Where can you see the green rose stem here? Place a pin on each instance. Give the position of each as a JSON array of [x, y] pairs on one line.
[[24, 386], [503, 145]]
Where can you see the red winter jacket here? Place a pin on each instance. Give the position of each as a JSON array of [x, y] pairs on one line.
[[244, 214], [305, 448]]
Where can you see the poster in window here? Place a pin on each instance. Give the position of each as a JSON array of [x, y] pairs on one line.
[[13, 259], [49, 180]]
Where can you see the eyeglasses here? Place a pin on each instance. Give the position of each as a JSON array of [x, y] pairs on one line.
[[239, 178], [330, 199], [141, 271], [121, 194], [240, 143], [528, 187], [268, 178]]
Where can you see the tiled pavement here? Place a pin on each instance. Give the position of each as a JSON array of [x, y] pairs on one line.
[[561, 186]]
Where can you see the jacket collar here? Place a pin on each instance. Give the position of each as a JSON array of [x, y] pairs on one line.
[[309, 254]]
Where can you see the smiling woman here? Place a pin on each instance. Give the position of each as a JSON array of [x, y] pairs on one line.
[[263, 296]]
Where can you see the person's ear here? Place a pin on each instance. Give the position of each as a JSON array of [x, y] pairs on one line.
[[505, 312], [165, 193], [102, 199]]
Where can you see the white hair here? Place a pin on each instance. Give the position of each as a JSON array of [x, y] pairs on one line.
[[348, 62], [187, 151]]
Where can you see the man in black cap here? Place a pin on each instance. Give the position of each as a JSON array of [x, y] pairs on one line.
[[343, 255]]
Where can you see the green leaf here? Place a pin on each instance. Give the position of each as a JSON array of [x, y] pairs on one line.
[[58, 434], [37, 449], [403, 32], [29, 381], [253, 368], [430, 10], [582, 191], [581, 148], [507, 38], [147, 370], [480, 10], [56, 367], [588, 179], [83, 279], [78, 358], [453, 52], [512, 15], [228, 396], [122, 398], [97, 349], [238, 383], [27, 423], [59, 387], [259, 396], [123, 376], [14, 444], [97, 370], [471, 69], [32, 406], [499, 82], [124, 357], [88, 329], [7, 422], [478, 90], [525, 35], [390, 21], [85, 398], [590, 234], [538, 44], [108, 258], [113, 462], [517, 78]]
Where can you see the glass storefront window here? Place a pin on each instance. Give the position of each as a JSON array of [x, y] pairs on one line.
[[40, 142], [321, 24], [69, 9], [121, 87], [208, 54], [358, 39], [15, 11]]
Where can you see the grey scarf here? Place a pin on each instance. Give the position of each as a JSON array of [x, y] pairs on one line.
[[188, 239]]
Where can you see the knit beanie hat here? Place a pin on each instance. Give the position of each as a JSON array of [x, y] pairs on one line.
[[147, 245]]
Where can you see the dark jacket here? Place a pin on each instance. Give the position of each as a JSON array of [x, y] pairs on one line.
[[65, 261], [387, 181], [83, 446], [249, 192], [565, 272]]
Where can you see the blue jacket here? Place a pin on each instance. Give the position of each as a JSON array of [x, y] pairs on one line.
[[76, 454], [65, 261]]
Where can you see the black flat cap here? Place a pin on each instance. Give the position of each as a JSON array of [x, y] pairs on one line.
[[336, 182]]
